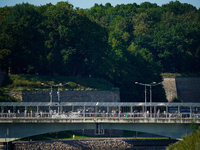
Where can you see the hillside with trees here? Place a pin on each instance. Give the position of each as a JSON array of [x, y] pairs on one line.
[[121, 44]]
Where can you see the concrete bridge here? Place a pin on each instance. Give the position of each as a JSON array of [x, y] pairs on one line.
[[28, 121]]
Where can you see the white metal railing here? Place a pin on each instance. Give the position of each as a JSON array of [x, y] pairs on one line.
[[99, 115]]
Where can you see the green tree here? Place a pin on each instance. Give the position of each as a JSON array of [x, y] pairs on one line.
[[22, 28], [4, 40]]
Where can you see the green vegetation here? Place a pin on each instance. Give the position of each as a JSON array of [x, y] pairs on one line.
[[121, 44], [69, 135], [173, 75], [56, 135], [33, 82], [6, 98], [190, 142]]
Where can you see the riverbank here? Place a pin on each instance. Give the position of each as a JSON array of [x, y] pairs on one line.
[[89, 144]]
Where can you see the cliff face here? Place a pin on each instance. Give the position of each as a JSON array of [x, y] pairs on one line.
[[184, 88]]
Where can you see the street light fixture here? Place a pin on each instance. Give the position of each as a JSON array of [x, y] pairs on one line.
[[150, 85], [58, 92], [50, 94]]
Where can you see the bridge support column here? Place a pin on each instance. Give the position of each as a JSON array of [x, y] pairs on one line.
[[166, 111], [179, 110], [61, 108], [84, 111], [119, 111], [155, 111], [14, 109], [2, 109], [37, 109], [143, 109], [190, 111]]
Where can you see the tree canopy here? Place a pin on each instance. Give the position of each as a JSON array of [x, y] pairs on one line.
[[122, 44]]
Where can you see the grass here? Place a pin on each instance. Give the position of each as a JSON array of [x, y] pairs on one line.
[[67, 135], [63, 135], [33, 82]]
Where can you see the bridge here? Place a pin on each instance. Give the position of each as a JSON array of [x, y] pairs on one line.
[[24, 119]]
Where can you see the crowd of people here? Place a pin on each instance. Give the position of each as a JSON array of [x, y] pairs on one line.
[[91, 113]]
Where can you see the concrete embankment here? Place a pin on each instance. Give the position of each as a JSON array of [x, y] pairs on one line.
[[89, 144]]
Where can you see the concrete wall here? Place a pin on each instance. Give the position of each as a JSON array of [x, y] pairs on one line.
[[67, 96], [188, 89], [184, 88]]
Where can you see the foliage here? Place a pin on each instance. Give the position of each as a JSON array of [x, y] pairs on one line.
[[33, 82], [6, 98], [121, 44], [175, 99], [190, 142]]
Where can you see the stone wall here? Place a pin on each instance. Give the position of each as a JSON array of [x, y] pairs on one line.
[[185, 88], [15, 94], [170, 88], [67, 96]]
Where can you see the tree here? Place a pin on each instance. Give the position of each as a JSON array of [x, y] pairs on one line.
[[22, 28], [4, 40]]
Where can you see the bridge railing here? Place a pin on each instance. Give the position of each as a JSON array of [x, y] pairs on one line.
[[99, 115]]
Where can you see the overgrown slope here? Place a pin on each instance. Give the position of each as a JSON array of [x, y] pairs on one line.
[[190, 142], [33, 82]]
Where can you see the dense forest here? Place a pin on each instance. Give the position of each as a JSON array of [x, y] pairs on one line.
[[122, 44]]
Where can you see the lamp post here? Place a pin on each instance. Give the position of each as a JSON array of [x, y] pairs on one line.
[[150, 85], [50, 94], [58, 92]]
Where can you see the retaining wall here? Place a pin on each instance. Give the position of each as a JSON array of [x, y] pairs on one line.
[[67, 96], [185, 88]]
